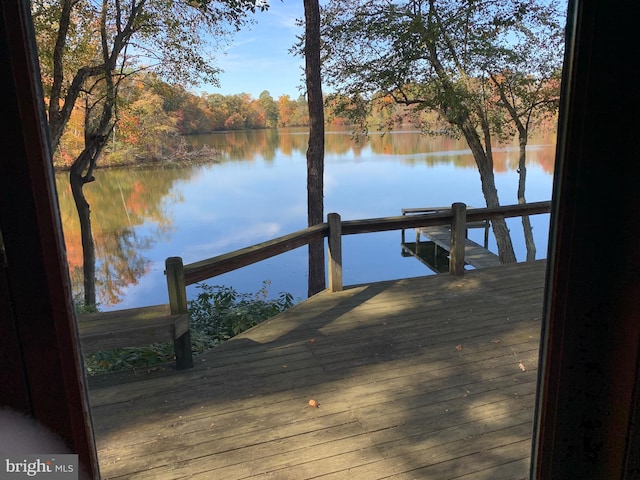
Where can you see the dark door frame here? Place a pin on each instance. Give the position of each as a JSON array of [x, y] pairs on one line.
[[587, 402], [41, 373]]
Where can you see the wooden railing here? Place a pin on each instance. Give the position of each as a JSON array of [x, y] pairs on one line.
[[179, 275]]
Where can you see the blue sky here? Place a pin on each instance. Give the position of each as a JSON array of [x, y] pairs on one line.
[[257, 58]]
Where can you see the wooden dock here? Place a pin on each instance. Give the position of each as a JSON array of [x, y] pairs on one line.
[[431, 377], [474, 254], [435, 251]]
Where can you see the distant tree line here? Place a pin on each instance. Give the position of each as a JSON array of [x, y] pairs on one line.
[[153, 115]]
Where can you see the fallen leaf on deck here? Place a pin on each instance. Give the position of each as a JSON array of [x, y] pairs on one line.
[[522, 367], [314, 404], [496, 340], [312, 340], [458, 347]]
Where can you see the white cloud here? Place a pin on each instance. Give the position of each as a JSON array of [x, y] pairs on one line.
[[244, 237]]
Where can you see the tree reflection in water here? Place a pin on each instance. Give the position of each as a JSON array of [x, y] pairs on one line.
[[131, 212]]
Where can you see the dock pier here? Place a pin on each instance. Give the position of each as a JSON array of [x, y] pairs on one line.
[[434, 253]]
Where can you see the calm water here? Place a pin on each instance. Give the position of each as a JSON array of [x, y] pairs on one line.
[[258, 191]]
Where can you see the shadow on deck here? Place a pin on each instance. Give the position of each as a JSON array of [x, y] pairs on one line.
[[431, 377]]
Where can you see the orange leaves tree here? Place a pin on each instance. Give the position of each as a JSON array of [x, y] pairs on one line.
[[87, 48]]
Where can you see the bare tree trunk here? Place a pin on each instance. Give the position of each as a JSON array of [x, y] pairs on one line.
[[88, 248], [77, 179], [522, 181], [523, 136], [459, 115], [315, 151], [95, 138], [487, 180]]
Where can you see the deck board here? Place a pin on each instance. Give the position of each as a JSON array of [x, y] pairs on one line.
[[416, 378]]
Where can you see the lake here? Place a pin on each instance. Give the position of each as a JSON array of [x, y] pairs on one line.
[[256, 191]]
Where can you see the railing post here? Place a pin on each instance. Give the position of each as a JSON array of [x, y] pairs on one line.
[[174, 269], [458, 236], [402, 232], [335, 252]]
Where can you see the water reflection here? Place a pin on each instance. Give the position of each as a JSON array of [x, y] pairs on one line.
[[342, 145], [131, 211], [257, 191]]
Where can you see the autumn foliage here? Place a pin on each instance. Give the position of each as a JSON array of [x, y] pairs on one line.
[[153, 116]]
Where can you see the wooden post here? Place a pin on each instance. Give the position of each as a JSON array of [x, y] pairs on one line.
[[335, 252], [402, 240], [174, 269], [458, 231], [486, 234]]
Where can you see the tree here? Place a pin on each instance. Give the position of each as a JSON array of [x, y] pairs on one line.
[[315, 152], [88, 47], [270, 109], [300, 116], [526, 78], [428, 54], [220, 111], [235, 121], [256, 116], [147, 126], [286, 108]]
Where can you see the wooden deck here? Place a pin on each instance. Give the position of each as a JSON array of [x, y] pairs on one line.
[[431, 377]]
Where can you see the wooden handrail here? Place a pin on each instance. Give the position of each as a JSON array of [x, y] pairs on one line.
[[351, 227], [370, 225], [198, 271], [508, 211], [211, 267]]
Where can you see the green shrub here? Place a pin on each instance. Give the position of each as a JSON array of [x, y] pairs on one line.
[[81, 308], [216, 314], [220, 312], [129, 358]]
